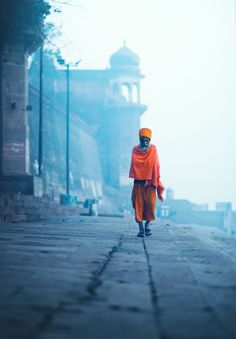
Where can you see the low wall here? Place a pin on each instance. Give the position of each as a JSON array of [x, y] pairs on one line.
[[16, 208]]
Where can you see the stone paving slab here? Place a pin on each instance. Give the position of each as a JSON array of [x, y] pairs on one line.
[[89, 277]]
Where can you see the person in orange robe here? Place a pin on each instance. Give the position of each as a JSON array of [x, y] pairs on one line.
[[145, 170]]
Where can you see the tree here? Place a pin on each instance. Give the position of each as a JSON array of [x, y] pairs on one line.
[[23, 21]]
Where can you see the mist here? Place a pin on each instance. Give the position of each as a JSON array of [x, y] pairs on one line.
[[187, 54]]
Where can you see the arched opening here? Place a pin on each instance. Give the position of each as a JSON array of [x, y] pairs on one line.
[[136, 93], [126, 92]]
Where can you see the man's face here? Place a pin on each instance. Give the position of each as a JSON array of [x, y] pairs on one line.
[[144, 143]]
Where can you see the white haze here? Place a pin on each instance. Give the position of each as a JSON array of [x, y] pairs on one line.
[[187, 52]]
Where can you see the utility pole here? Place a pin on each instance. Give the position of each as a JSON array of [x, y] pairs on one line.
[[40, 149], [67, 129], [67, 199]]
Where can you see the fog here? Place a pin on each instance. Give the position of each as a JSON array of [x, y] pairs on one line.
[[187, 53]]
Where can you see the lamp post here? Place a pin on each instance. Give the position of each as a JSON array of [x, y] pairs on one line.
[[68, 199], [40, 149], [67, 129]]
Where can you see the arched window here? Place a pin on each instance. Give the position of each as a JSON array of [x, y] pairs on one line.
[[136, 93], [125, 91]]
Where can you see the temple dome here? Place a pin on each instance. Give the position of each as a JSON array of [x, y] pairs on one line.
[[124, 57]]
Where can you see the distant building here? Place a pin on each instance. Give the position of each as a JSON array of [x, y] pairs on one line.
[[200, 207], [224, 206], [109, 101], [105, 111], [183, 211], [169, 194]]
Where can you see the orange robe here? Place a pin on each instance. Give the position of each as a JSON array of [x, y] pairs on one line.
[[145, 166]]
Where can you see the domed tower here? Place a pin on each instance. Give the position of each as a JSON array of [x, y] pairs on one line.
[[126, 75], [124, 58], [121, 115], [109, 101]]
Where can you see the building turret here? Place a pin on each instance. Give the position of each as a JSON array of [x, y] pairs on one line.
[[124, 58], [122, 112]]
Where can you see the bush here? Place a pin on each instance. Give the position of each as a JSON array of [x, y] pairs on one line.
[[23, 21]]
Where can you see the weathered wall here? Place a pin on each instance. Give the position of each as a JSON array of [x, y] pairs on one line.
[[85, 167], [115, 118], [14, 145], [96, 97]]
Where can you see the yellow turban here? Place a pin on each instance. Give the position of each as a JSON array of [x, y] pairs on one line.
[[145, 132]]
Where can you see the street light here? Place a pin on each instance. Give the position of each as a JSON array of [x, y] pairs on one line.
[[68, 199], [40, 147]]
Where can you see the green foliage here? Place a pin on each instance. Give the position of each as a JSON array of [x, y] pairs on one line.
[[23, 22]]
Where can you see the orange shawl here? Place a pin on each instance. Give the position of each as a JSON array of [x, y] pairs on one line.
[[145, 166]]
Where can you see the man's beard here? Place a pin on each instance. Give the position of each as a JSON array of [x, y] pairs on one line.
[[143, 148]]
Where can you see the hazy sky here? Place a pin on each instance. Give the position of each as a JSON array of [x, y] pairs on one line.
[[187, 53]]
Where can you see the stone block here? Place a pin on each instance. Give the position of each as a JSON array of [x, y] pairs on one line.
[[14, 71], [25, 184], [14, 55], [66, 199]]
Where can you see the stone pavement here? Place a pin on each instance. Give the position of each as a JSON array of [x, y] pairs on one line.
[[91, 278]]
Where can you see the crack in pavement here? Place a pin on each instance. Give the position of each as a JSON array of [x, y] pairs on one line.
[[46, 320], [154, 295], [96, 281], [91, 288]]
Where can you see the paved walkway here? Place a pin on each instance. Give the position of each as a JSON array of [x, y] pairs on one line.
[[93, 278]]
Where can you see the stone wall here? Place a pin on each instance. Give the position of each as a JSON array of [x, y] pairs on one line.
[[14, 146], [18, 207], [85, 166]]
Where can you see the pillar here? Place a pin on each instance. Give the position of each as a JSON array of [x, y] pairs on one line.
[[14, 130]]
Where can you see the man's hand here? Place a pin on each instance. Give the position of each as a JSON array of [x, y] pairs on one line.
[[160, 197], [160, 191]]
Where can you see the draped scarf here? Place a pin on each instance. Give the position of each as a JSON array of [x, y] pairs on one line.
[[145, 166]]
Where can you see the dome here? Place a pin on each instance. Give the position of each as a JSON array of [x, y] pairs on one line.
[[124, 57]]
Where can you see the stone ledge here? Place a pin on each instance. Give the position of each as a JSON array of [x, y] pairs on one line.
[[22, 184], [16, 208]]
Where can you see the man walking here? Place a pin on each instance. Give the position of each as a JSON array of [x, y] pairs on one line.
[[145, 170]]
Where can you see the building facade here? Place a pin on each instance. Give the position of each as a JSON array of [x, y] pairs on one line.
[[109, 101]]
